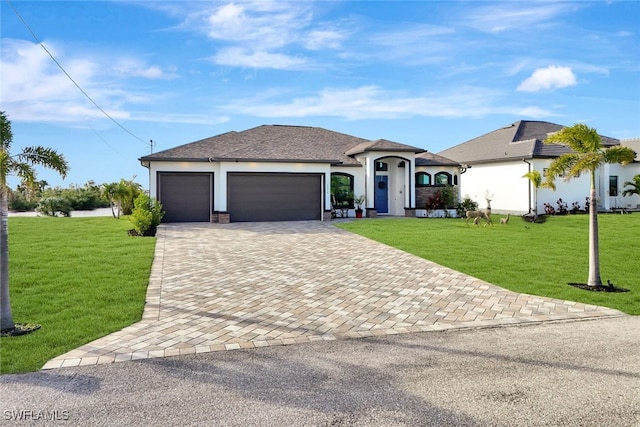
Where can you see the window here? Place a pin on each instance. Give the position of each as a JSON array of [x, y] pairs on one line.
[[342, 188], [442, 178], [423, 179], [381, 167], [613, 186]]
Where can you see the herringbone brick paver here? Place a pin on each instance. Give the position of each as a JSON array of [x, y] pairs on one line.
[[223, 287]]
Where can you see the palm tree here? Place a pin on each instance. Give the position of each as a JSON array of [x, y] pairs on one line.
[[635, 187], [536, 180], [21, 165], [114, 193], [587, 156]]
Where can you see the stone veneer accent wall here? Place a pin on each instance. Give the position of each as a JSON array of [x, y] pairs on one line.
[[423, 193]]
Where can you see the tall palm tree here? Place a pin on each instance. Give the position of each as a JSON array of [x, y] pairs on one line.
[[587, 156], [635, 187], [22, 165], [536, 181]]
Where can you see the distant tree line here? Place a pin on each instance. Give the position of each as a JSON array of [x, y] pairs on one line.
[[51, 201]]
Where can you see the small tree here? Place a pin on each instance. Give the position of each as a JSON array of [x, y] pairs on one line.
[[587, 156], [21, 165], [634, 187], [146, 216], [536, 181]]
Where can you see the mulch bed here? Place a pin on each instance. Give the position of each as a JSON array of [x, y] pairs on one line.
[[603, 288], [149, 233], [20, 329]]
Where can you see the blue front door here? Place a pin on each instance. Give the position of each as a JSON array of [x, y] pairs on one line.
[[382, 194]]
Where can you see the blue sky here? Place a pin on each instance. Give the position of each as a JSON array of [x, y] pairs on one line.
[[428, 74]]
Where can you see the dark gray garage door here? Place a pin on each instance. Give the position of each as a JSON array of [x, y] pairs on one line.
[[274, 196], [185, 197]]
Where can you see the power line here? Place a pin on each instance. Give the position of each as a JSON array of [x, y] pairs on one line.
[[70, 78]]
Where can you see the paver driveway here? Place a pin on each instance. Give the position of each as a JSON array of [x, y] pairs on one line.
[[221, 287]]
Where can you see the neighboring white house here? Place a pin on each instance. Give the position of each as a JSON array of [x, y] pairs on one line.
[[495, 163], [288, 173]]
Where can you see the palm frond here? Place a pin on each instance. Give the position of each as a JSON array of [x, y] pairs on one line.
[[6, 136], [579, 137], [535, 178], [635, 187], [619, 154], [47, 157]]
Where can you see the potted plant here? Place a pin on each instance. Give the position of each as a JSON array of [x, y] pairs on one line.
[[358, 201]]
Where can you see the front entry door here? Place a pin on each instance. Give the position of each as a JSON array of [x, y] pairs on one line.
[[382, 194]]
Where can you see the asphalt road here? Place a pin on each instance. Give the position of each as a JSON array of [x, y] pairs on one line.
[[580, 373]]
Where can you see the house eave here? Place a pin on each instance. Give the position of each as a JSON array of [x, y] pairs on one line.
[[148, 159]]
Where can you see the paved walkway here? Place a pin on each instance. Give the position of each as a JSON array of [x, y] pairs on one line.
[[244, 285]]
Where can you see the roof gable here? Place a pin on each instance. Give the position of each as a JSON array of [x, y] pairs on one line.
[[522, 139], [431, 159]]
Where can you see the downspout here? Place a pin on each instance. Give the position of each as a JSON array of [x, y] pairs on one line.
[[411, 206], [529, 187]]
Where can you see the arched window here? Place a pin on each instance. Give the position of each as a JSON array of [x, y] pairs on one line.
[[442, 179], [423, 179], [342, 188]]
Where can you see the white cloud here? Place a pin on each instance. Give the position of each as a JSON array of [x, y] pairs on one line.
[[255, 33], [320, 39], [239, 57], [548, 78], [34, 89], [265, 25], [131, 67], [372, 102], [535, 112], [505, 16]]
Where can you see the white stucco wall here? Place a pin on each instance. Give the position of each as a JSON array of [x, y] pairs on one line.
[[502, 181], [624, 174], [511, 192]]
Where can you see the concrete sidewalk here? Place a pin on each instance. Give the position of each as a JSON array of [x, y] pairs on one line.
[[246, 285]]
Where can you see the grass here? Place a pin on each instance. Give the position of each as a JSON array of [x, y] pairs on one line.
[[80, 278], [537, 259]]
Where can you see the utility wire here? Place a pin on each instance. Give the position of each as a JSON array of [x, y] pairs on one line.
[[70, 78]]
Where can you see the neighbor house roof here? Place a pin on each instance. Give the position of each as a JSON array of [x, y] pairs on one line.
[[522, 139], [634, 144], [278, 143]]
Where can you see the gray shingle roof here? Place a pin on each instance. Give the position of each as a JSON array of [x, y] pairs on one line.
[[431, 159], [278, 143], [382, 145], [522, 139]]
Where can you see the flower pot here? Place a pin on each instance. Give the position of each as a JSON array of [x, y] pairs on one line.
[[358, 213]]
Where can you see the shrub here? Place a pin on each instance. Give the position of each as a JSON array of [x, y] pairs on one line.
[[51, 206], [466, 205], [444, 198], [18, 201], [146, 215]]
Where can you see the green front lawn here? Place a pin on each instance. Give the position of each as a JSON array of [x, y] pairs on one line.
[[80, 278], [538, 259]]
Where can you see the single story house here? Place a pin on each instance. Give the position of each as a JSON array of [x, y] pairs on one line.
[[288, 173], [494, 164]]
